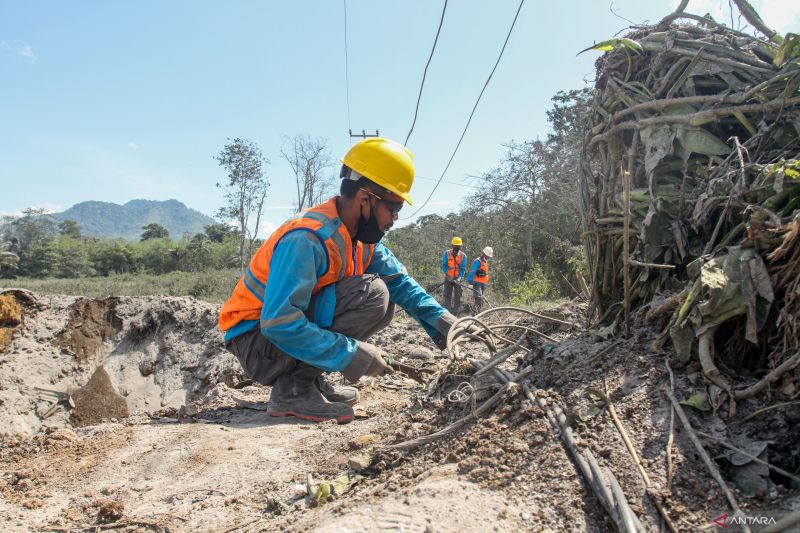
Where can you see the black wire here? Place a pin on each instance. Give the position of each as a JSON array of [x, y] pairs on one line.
[[425, 73], [346, 67], [470, 115]]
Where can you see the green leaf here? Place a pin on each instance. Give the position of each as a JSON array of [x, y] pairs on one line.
[[699, 401], [611, 44], [700, 141]]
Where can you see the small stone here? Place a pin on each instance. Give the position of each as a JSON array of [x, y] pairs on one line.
[[361, 441]]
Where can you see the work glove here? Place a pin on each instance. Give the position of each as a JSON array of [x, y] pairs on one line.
[[369, 361], [443, 326]]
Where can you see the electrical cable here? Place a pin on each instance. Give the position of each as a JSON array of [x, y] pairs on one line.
[[425, 73], [346, 68], [470, 115]]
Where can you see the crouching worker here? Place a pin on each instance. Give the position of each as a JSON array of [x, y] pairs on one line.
[[322, 284]]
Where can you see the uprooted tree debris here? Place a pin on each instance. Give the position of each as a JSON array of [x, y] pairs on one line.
[[691, 194], [691, 199]]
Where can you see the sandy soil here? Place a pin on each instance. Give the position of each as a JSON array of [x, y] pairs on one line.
[[194, 452]]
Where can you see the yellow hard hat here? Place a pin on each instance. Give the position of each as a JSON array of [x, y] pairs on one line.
[[388, 163], [456, 241]]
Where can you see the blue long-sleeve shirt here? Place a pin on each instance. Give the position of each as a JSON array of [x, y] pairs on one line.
[[475, 266], [298, 261], [462, 268]]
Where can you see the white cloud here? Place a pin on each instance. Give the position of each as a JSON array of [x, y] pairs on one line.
[[27, 52], [132, 146], [51, 208], [48, 207]]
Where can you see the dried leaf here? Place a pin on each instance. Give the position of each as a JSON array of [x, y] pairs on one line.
[[657, 142], [700, 141]]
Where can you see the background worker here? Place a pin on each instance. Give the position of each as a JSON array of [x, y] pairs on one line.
[[454, 266], [322, 284], [479, 276]]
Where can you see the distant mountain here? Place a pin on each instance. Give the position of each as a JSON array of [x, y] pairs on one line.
[[111, 221]]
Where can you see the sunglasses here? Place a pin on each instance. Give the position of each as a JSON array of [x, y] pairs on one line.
[[393, 207]]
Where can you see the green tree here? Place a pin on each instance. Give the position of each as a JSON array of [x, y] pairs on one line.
[[73, 258], [43, 260], [112, 257], [26, 231], [244, 191], [9, 261], [219, 232], [154, 231], [526, 208], [69, 228], [156, 256]]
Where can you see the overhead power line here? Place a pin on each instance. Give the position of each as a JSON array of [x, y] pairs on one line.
[[425, 73], [346, 67], [499, 57]]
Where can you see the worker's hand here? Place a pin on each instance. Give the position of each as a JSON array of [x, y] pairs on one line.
[[369, 361], [446, 322], [443, 326]]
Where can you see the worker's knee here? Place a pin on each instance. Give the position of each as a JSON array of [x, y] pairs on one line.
[[378, 297]]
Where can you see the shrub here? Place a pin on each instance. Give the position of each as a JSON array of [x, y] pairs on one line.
[[533, 287]]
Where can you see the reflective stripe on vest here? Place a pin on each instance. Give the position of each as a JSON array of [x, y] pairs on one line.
[[484, 265], [453, 264], [343, 259]]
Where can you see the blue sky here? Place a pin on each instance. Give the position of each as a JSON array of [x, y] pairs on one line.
[[119, 100]]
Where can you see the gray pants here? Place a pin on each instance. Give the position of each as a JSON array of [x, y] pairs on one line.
[[362, 309], [478, 289], [452, 296]]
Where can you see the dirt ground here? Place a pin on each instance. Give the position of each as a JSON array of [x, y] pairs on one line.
[[135, 418]]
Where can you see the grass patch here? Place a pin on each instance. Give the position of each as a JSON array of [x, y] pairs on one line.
[[212, 286]]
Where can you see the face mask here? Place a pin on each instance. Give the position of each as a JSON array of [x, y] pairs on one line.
[[368, 231]]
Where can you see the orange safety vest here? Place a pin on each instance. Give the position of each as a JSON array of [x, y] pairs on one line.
[[454, 263], [484, 265], [343, 260]]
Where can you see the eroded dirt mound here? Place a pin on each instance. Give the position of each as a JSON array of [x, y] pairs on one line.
[[10, 311], [90, 323], [97, 401], [158, 353], [10, 318]]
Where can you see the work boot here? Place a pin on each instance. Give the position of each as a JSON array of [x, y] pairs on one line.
[[343, 394], [296, 394]]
